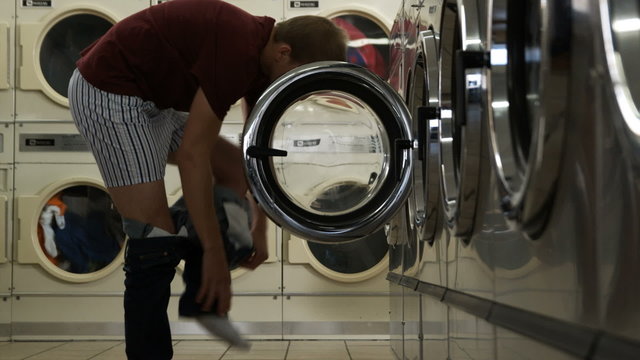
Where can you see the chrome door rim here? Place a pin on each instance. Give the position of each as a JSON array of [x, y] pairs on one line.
[[459, 185], [423, 206], [628, 108], [318, 229], [527, 192]]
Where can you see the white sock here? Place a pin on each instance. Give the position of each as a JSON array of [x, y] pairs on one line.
[[222, 328]]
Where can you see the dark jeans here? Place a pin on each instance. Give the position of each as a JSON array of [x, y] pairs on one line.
[[149, 269]]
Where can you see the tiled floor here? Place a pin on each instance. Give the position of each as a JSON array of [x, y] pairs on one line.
[[201, 350]]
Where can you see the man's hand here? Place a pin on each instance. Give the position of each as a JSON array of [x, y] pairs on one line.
[[215, 287], [261, 252], [259, 235]]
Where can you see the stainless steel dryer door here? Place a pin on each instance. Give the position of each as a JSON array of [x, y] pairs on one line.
[[327, 152]]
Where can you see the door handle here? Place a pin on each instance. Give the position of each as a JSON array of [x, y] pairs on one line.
[[401, 145], [466, 60], [261, 152]]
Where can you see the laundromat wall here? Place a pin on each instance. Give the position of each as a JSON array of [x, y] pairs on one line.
[[57, 284]]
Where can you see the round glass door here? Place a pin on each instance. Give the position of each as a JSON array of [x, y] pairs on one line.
[[527, 93], [80, 233], [62, 44], [621, 30], [327, 152], [352, 261]]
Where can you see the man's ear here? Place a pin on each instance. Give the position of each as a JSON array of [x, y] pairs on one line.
[[284, 51]]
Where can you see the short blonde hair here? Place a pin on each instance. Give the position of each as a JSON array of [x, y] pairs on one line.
[[312, 38]]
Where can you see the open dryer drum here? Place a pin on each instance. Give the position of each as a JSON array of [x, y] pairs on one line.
[[56, 49], [528, 86], [368, 41], [75, 232]]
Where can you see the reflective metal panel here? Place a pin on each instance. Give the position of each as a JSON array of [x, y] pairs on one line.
[[422, 100], [461, 110], [527, 109], [621, 30]]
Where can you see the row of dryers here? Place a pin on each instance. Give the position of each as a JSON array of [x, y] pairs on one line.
[[61, 251]]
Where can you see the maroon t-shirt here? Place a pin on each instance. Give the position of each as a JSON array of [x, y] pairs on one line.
[[164, 53]]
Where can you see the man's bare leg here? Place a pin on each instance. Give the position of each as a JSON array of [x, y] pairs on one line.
[[146, 203]]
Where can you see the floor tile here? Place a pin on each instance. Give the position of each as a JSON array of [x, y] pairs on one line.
[[199, 350], [260, 350], [73, 350], [370, 350], [114, 353], [22, 350], [318, 350]]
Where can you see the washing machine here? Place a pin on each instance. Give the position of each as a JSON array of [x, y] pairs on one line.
[[618, 161], [326, 155], [50, 36], [366, 23], [7, 34], [68, 239], [6, 230], [6, 208], [323, 282]]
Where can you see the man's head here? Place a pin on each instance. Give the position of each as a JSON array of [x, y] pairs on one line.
[[302, 40]]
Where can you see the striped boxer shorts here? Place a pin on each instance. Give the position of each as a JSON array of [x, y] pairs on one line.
[[130, 138]]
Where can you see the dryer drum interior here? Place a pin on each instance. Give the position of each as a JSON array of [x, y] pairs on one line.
[[80, 232], [62, 44], [526, 121]]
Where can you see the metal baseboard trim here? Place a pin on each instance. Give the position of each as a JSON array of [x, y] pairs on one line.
[[336, 328], [68, 330], [5, 330], [571, 338]]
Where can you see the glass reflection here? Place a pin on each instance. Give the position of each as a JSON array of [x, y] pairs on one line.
[[368, 45], [337, 150], [352, 257], [515, 64], [625, 23], [62, 45], [80, 230]]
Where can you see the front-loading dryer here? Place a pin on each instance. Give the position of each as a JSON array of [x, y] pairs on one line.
[[7, 35], [367, 25], [6, 249], [68, 239], [327, 154], [50, 36], [7, 56], [335, 290], [618, 169]]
